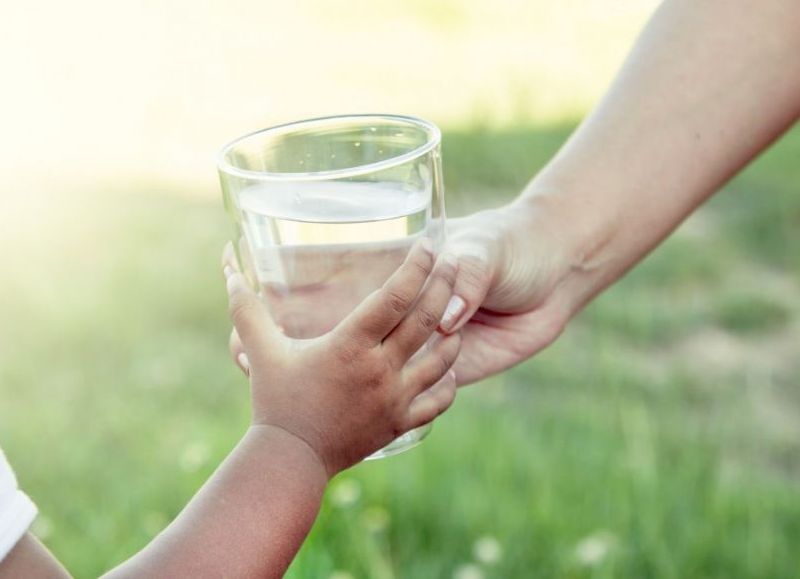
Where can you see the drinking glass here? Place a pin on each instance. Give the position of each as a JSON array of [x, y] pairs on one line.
[[326, 209]]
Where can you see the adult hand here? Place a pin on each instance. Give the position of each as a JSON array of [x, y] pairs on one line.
[[511, 262]]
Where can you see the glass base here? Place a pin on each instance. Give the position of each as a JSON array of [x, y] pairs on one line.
[[402, 443]]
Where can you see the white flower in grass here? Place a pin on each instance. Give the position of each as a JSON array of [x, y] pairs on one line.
[[592, 550], [346, 493], [487, 550], [42, 527], [194, 456], [340, 575], [375, 519], [160, 372], [468, 571]]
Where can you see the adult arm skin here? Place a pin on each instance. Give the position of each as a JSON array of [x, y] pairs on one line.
[[708, 85]]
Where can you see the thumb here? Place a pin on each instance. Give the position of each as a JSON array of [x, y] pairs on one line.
[[257, 331], [475, 274]]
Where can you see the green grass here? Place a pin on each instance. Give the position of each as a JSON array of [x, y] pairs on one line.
[[751, 313], [637, 432]]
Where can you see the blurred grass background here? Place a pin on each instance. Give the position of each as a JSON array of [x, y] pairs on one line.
[[660, 437]]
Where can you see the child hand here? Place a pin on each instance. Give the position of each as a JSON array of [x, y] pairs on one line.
[[353, 390]]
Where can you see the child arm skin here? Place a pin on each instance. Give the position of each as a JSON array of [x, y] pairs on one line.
[[319, 406]]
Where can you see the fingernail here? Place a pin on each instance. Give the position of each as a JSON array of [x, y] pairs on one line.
[[455, 307], [244, 361], [228, 271]]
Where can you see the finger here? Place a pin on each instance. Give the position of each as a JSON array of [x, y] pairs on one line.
[[253, 324], [493, 342], [382, 310], [432, 365], [238, 354], [423, 319], [431, 403], [475, 274], [472, 284], [229, 262]]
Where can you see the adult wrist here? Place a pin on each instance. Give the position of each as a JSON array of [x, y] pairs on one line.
[[576, 226], [580, 217]]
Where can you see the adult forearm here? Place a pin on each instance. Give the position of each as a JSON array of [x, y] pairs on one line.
[[248, 520], [708, 85]]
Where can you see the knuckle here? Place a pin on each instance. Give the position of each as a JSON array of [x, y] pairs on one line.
[[427, 319], [443, 364], [397, 301], [369, 368], [423, 264], [372, 380], [445, 356], [448, 274], [449, 356], [348, 353], [242, 308]]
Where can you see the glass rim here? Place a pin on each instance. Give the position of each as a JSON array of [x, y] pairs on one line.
[[432, 131]]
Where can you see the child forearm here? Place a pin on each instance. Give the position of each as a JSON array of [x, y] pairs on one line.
[[319, 407], [31, 560], [248, 520]]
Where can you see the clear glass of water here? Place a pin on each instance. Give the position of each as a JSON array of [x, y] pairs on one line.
[[326, 209]]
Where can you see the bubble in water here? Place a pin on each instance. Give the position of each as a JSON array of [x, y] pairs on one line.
[[357, 144], [373, 129]]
